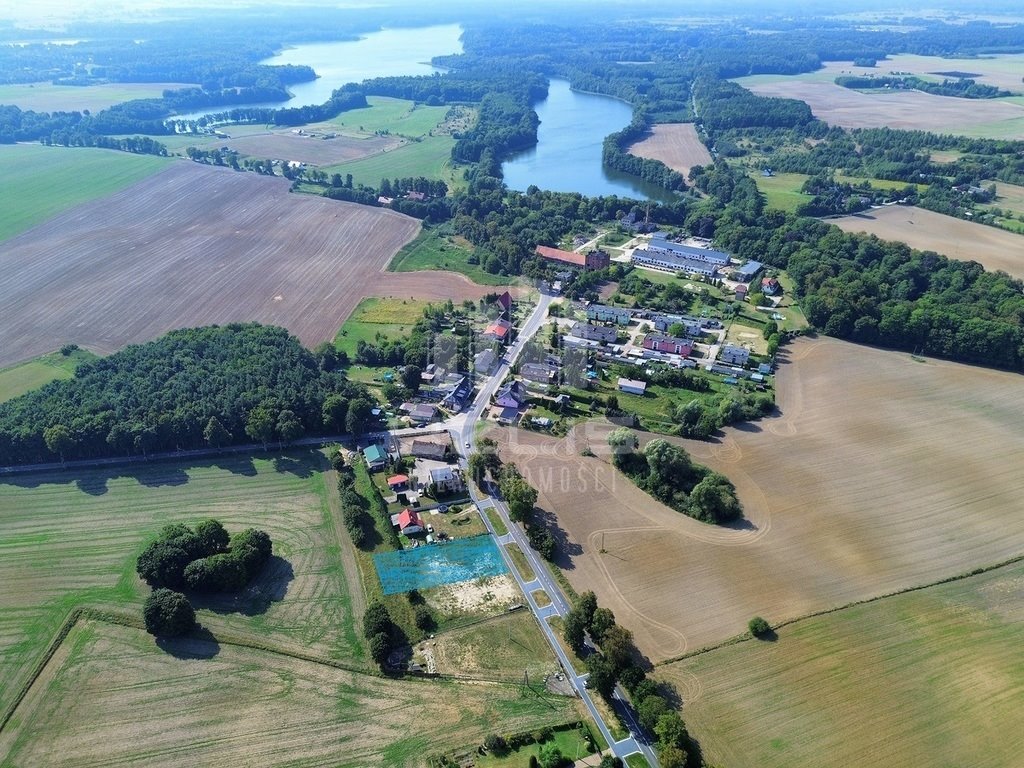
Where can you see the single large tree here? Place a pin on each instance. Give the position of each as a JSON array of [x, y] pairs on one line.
[[215, 434], [260, 424], [168, 614], [58, 440]]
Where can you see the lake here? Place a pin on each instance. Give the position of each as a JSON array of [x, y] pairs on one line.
[[388, 53], [567, 157]]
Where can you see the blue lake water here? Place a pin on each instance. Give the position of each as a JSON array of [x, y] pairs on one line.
[[437, 564]]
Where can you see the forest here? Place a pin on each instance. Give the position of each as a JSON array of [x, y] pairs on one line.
[[212, 386]]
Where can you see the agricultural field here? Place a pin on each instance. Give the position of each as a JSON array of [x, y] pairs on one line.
[[842, 501], [908, 110], [677, 145], [429, 157], [32, 374], [228, 704], [196, 245], [40, 182], [375, 320], [434, 250], [95, 522], [995, 249], [47, 97], [289, 146], [388, 115], [933, 675]]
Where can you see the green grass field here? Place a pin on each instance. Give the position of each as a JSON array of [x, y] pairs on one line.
[[932, 677], [71, 538], [47, 97], [375, 320], [40, 182], [434, 250], [570, 741], [429, 157], [113, 697], [396, 116], [32, 374], [782, 191]]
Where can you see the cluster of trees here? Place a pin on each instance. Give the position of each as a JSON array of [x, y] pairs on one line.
[[435, 209], [964, 88], [667, 473], [378, 629], [723, 104], [138, 145], [191, 388], [617, 663], [203, 559], [354, 513]]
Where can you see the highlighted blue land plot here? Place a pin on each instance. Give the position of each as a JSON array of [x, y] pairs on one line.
[[436, 564]]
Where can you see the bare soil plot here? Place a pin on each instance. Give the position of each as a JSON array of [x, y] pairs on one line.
[[910, 110], [112, 697], [1001, 70], [933, 675], [676, 145], [195, 245], [880, 473], [995, 249], [288, 146]]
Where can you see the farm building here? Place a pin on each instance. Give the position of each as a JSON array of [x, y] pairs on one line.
[[632, 386], [409, 522], [498, 330], [375, 456], [673, 262], [512, 395], [735, 355], [446, 479], [586, 261], [709, 255], [671, 344], [748, 271], [429, 449], [604, 314], [600, 333]]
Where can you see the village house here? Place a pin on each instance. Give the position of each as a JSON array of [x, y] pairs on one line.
[[446, 480], [498, 330], [734, 355], [512, 395], [409, 522], [422, 413], [538, 373], [483, 362], [632, 386], [375, 457], [670, 344], [770, 286], [605, 314], [398, 482], [429, 449], [585, 261]]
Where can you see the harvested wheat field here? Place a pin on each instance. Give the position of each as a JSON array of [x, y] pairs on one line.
[[195, 245], [932, 677], [908, 110], [880, 473], [995, 249], [314, 150], [111, 696], [676, 145]]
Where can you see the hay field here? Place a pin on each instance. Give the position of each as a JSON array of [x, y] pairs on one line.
[[880, 473], [993, 248], [47, 97], [110, 696], [1001, 70], [909, 110], [32, 374], [71, 538], [676, 145], [288, 146], [925, 678], [196, 245]]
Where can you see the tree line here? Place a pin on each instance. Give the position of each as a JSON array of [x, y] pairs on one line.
[[193, 388]]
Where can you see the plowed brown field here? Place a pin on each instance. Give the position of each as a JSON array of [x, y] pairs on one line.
[[195, 245], [929, 231], [880, 473], [676, 145]]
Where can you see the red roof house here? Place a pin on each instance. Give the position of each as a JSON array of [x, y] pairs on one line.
[[498, 330], [409, 522], [395, 482]]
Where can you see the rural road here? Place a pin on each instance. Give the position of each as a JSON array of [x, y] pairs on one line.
[[463, 432]]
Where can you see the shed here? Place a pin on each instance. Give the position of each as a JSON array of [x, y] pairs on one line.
[[632, 386]]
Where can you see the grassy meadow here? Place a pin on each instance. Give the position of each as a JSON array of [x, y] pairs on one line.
[[32, 374], [375, 320], [40, 182], [397, 116], [931, 677], [433, 250]]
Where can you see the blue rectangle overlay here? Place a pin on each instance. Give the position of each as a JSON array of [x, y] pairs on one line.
[[436, 564]]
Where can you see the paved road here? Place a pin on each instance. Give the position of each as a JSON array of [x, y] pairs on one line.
[[463, 431]]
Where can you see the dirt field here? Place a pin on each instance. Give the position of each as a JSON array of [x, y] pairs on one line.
[[993, 248], [1001, 70], [195, 245], [910, 110], [112, 697], [934, 676], [914, 477], [676, 145], [285, 145]]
